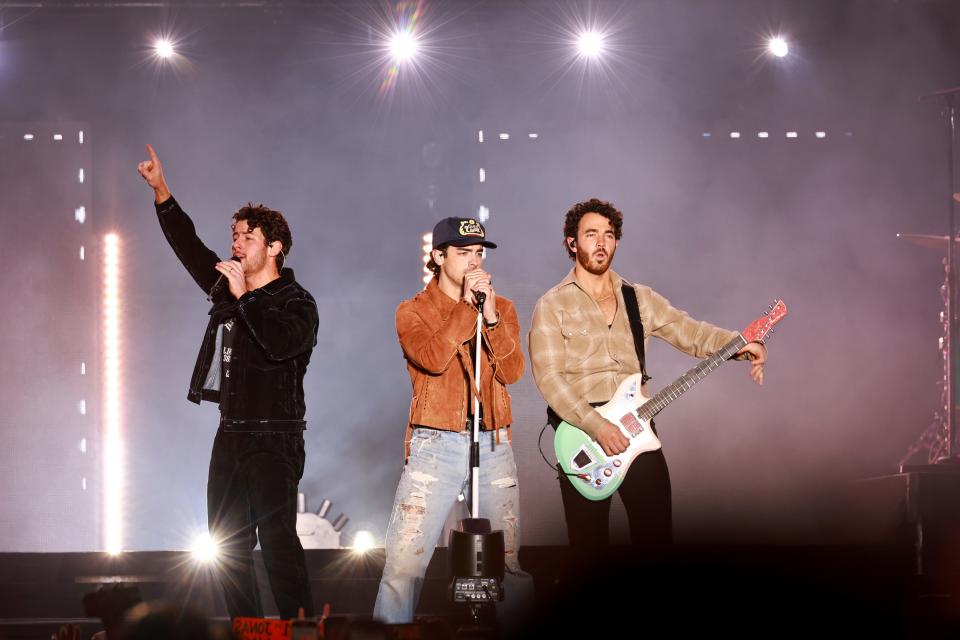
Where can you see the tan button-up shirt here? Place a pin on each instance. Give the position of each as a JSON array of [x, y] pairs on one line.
[[576, 359]]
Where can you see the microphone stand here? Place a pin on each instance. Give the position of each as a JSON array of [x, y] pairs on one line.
[[476, 553]]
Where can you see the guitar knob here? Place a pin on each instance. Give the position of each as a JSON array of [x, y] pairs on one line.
[[617, 463], [608, 472], [598, 482]]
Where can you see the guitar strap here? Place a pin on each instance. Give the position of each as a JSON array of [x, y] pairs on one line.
[[636, 325]]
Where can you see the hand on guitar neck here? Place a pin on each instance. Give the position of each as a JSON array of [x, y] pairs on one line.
[[757, 353]]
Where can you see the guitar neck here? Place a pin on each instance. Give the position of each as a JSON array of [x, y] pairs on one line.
[[678, 387]]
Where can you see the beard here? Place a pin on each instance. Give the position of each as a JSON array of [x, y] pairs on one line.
[[593, 266]]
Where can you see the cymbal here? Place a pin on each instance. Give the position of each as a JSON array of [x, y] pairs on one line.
[[925, 240], [956, 197]]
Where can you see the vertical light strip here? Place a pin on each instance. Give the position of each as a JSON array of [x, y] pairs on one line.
[[112, 451], [426, 248]]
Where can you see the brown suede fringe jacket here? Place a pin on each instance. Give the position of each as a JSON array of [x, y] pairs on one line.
[[435, 334]]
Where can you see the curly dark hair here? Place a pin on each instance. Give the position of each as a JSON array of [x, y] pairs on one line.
[[432, 266], [271, 223], [572, 222]]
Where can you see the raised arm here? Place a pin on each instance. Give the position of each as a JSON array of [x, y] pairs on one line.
[[504, 341], [282, 332], [177, 226], [433, 347]]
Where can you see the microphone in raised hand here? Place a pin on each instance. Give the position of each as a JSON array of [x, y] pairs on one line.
[[481, 297], [218, 285]]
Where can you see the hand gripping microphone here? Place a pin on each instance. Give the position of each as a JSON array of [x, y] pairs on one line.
[[481, 298], [218, 285]]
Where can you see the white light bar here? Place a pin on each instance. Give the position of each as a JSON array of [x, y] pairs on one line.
[[763, 134], [28, 136], [791, 134], [425, 250], [480, 136], [504, 136], [113, 454], [821, 134], [483, 175], [734, 134]]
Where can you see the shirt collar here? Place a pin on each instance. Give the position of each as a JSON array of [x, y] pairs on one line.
[[571, 278]]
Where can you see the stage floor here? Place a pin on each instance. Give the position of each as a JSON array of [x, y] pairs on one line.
[[773, 591]]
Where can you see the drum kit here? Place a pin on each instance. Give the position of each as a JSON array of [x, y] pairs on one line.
[[936, 438]]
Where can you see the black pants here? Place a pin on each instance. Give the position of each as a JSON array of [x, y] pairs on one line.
[[251, 492], [646, 496]]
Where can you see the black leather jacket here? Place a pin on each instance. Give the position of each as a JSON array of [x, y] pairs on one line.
[[277, 332]]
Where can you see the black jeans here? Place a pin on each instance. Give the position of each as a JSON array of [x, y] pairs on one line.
[[646, 497], [251, 492]]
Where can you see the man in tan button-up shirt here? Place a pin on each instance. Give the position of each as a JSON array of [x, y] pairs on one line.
[[582, 348]]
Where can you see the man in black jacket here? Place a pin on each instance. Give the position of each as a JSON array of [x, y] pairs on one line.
[[262, 329]]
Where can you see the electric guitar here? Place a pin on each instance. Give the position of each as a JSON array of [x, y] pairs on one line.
[[595, 474]]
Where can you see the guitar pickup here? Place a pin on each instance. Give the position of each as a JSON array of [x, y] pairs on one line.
[[631, 424]]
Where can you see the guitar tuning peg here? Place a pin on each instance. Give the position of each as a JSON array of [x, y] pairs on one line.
[[766, 313]]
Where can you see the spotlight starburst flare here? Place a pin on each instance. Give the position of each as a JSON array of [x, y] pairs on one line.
[[778, 46], [163, 48]]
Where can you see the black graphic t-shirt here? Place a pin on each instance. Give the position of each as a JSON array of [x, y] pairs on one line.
[[229, 335]]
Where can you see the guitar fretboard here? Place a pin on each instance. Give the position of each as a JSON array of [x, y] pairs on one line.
[[678, 387]]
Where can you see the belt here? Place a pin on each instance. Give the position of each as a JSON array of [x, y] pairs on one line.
[[231, 425]]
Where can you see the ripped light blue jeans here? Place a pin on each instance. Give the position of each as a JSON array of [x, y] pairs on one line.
[[437, 470]]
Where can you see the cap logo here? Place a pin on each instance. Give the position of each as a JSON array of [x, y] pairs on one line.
[[471, 228]]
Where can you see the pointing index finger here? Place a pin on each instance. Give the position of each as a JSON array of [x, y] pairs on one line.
[[153, 154]]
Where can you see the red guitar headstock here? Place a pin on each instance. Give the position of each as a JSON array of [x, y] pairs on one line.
[[761, 327]]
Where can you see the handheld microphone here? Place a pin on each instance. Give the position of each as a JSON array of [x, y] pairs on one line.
[[481, 298], [215, 289]]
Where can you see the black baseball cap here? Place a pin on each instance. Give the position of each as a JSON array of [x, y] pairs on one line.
[[460, 232]]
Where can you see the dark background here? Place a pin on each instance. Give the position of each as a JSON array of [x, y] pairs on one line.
[[284, 104]]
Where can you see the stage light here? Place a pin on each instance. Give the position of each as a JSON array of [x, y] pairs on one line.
[[426, 248], [163, 48], [58, 137], [80, 215], [28, 136], [821, 134], [483, 175], [734, 134], [590, 44], [778, 46], [403, 46], [113, 455], [80, 175], [504, 136], [533, 136], [763, 134], [791, 134], [363, 542], [706, 134], [480, 136], [204, 549], [483, 214]]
